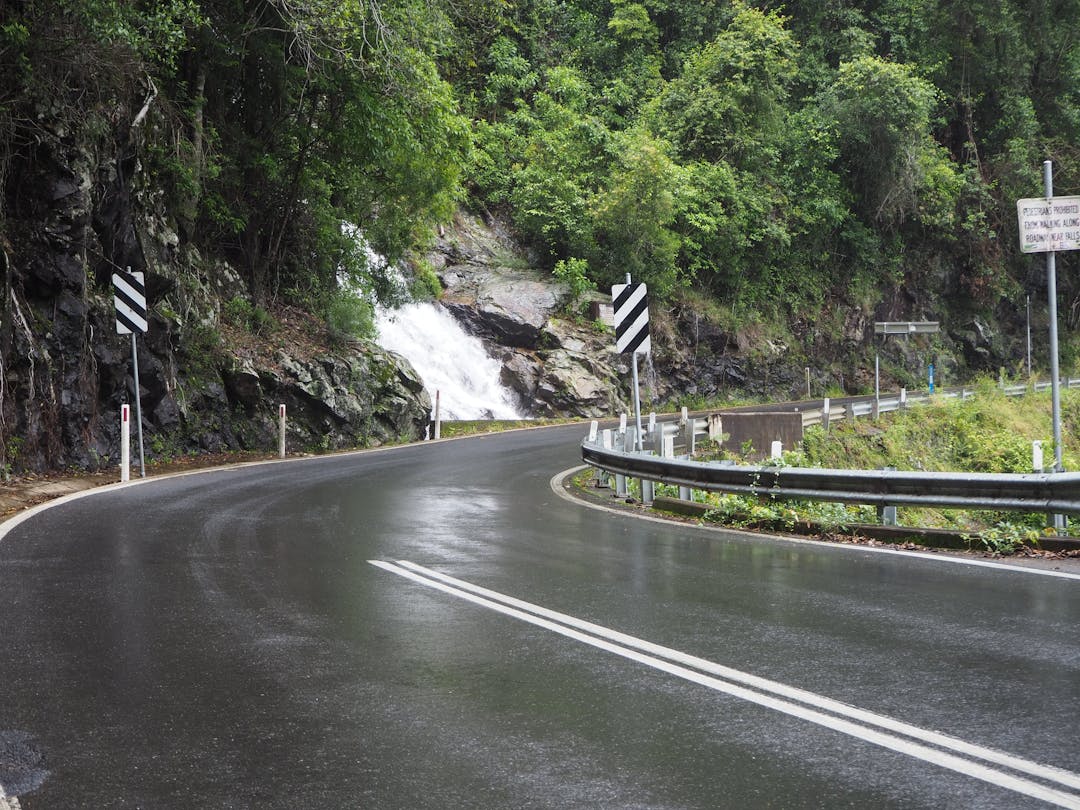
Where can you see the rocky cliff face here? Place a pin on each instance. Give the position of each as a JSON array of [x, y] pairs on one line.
[[76, 212], [556, 367], [561, 365]]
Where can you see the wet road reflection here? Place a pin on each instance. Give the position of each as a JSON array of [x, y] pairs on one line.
[[223, 640]]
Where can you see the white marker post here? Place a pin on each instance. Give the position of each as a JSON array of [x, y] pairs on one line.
[[438, 418], [281, 430], [125, 443]]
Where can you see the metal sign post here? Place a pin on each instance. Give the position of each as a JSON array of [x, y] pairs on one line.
[[631, 304], [1047, 225], [129, 296], [904, 328]]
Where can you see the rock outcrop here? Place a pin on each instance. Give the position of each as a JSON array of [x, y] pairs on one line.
[[556, 367], [64, 372]]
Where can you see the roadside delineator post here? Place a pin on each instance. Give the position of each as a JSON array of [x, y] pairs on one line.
[[125, 443], [281, 430]]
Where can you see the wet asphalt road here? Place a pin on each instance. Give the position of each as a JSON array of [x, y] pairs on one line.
[[223, 640]]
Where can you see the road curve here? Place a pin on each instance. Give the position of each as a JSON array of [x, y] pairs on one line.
[[431, 626]]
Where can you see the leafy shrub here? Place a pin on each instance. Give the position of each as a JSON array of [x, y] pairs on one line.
[[242, 313], [348, 316], [574, 273]]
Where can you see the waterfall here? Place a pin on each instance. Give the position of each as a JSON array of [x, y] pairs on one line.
[[449, 360]]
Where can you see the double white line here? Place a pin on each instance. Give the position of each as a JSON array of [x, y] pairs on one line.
[[996, 767]]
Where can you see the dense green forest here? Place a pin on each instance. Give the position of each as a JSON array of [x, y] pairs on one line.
[[773, 158]]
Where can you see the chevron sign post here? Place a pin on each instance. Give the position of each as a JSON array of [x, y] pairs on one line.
[[631, 304], [129, 296]]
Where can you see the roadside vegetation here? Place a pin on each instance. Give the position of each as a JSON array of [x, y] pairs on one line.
[[988, 433]]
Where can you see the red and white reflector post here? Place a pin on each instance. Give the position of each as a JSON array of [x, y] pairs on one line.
[[281, 431], [125, 442]]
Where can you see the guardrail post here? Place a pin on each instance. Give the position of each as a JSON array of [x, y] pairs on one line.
[[887, 514], [603, 477], [621, 488], [691, 442]]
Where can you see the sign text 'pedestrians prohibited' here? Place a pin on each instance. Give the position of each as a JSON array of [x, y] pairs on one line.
[[129, 295], [1049, 224], [631, 303]]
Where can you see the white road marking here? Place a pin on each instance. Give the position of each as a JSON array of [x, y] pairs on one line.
[[704, 673], [556, 484]]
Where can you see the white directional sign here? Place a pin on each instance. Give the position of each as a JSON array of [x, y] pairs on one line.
[[631, 303], [1049, 224], [129, 295]]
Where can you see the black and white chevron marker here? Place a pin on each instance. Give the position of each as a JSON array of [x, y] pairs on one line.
[[129, 295], [631, 304]]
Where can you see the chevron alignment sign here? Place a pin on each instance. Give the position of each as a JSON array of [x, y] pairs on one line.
[[631, 304], [129, 295]]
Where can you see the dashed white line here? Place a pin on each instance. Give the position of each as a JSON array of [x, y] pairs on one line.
[[859, 723]]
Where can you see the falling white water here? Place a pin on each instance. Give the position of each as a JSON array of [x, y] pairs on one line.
[[449, 360]]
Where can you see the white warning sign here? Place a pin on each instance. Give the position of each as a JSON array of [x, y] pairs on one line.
[[1049, 224]]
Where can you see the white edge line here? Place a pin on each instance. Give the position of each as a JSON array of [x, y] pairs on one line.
[[930, 755], [557, 487], [1064, 777]]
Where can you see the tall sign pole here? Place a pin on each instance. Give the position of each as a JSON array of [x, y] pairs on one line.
[[631, 304], [1047, 225], [1051, 292], [129, 296]]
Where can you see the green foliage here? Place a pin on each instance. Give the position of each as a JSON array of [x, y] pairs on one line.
[[1007, 538], [729, 102], [242, 313], [820, 160], [768, 513], [632, 216], [349, 316], [881, 112], [985, 433], [574, 274]]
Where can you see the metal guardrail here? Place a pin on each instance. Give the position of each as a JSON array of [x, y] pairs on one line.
[[1035, 492], [1057, 493], [896, 403]]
